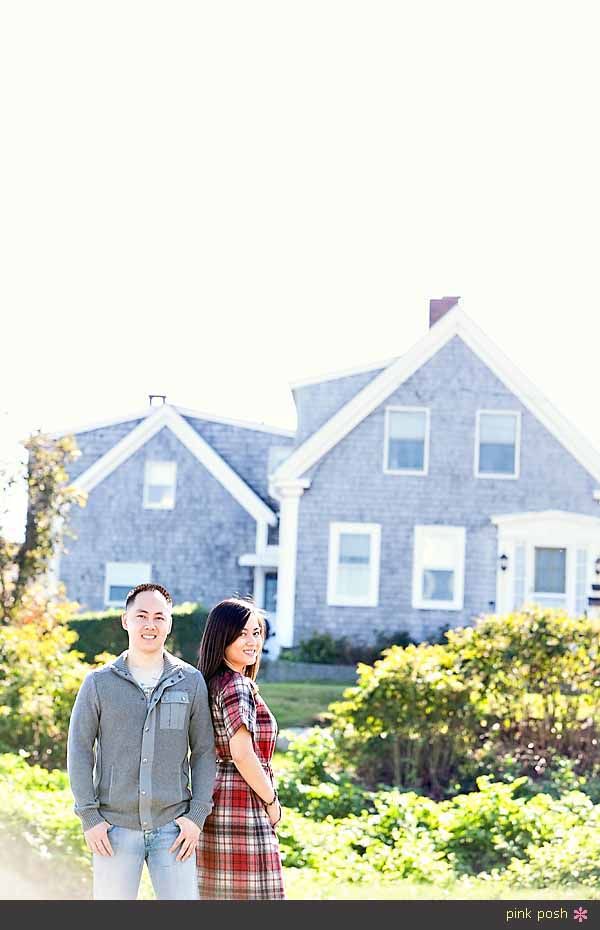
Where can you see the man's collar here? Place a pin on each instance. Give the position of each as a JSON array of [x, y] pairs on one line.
[[171, 662]]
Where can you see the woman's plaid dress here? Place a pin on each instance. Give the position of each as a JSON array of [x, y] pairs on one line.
[[238, 853]]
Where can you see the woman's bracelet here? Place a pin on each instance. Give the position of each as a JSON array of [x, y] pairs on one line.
[[271, 803]]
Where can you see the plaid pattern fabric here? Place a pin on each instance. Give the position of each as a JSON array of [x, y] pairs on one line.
[[238, 854]]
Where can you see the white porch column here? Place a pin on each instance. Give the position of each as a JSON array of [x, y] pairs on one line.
[[288, 493]]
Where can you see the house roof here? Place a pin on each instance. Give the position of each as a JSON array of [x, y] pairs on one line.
[[454, 323], [184, 412], [168, 416]]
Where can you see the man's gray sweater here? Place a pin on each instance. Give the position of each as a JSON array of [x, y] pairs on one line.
[[131, 762]]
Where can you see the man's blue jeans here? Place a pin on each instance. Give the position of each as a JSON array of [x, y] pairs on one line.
[[117, 877]]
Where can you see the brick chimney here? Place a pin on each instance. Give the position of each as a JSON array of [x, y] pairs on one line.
[[438, 306]]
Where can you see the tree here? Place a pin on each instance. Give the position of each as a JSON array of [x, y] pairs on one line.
[[50, 497]]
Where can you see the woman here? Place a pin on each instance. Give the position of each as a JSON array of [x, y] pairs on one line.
[[238, 853]]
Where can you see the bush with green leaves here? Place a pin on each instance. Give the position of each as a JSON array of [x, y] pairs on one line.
[[409, 722], [434, 717], [40, 674], [102, 632], [313, 784], [573, 858], [491, 834], [536, 685], [45, 835], [324, 649]]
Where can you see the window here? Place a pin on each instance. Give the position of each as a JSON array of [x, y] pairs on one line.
[[439, 567], [270, 592], [406, 440], [497, 444], [121, 577], [159, 485], [550, 576], [353, 577]]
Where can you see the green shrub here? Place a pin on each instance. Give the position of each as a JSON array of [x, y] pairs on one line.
[[45, 835], [40, 675], [323, 649], [536, 680], [491, 834], [313, 785], [409, 721], [573, 858], [102, 632], [434, 717]]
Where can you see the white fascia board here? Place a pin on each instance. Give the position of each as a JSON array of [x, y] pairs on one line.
[[203, 452], [454, 323]]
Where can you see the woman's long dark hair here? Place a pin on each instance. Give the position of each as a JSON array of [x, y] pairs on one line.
[[224, 623]]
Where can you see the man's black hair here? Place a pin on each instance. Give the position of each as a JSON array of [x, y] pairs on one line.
[[148, 586]]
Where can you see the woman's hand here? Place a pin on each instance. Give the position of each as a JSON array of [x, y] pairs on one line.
[[274, 812]]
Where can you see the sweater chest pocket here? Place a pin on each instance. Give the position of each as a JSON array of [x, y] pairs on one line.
[[173, 707]]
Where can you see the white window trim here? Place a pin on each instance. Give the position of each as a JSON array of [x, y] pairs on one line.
[[148, 505], [145, 574], [458, 535], [335, 531], [406, 471], [498, 475]]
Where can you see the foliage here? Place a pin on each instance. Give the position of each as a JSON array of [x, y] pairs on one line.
[[434, 717], [36, 811], [491, 838], [537, 677], [323, 649], [572, 857], [50, 497], [102, 632], [409, 721], [40, 675]]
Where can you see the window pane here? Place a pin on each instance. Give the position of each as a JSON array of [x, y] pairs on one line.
[[406, 442], [439, 552], [497, 439], [498, 428], [160, 494], [438, 585], [118, 593], [496, 458], [355, 548], [161, 472], [406, 453], [550, 570], [354, 572], [353, 580], [270, 592], [407, 424]]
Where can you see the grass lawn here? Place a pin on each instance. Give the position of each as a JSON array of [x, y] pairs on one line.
[[306, 885], [299, 703]]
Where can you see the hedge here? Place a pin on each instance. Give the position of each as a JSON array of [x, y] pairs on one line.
[[102, 632]]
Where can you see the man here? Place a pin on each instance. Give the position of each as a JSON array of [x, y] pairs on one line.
[[133, 724]]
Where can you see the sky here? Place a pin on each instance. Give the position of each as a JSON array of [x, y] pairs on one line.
[[211, 201]]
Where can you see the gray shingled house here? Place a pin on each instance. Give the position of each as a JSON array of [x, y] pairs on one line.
[[417, 493]]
